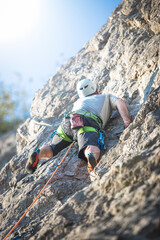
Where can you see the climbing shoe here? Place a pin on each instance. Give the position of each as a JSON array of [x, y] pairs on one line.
[[32, 162], [91, 162]]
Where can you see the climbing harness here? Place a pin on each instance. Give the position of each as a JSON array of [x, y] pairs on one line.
[[101, 133], [61, 133], [39, 193], [86, 129], [101, 143]]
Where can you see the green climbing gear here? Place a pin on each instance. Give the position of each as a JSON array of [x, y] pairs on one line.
[[62, 134], [86, 129]]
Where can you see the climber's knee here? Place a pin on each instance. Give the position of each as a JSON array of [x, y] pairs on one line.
[[92, 149]]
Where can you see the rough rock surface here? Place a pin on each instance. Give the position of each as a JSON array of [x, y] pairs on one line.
[[124, 201], [8, 147]]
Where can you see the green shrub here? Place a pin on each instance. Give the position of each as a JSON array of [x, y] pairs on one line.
[[8, 108]]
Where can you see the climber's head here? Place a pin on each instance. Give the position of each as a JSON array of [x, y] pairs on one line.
[[86, 87]]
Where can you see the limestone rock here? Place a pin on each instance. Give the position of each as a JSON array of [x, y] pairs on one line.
[[8, 147], [124, 201]]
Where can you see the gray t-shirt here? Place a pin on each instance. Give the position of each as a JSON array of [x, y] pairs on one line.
[[99, 104]]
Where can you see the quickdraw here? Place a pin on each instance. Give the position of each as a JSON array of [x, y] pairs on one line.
[[52, 135], [66, 115], [101, 143]]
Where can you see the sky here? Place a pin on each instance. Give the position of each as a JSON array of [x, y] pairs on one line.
[[37, 36]]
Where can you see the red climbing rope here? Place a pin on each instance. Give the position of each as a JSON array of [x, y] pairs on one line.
[[39, 193]]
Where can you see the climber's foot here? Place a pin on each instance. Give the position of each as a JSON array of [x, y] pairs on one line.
[[32, 162], [91, 162]]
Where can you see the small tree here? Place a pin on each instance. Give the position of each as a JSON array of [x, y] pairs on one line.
[[7, 107]]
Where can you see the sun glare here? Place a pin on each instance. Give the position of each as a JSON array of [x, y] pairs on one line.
[[18, 18]]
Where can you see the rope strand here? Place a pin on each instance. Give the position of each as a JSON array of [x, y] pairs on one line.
[[39, 193]]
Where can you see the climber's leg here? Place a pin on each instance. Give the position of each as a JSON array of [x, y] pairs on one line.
[[88, 148], [92, 154], [61, 140], [44, 152]]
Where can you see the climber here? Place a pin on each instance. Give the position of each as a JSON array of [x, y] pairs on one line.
[[89, 116]]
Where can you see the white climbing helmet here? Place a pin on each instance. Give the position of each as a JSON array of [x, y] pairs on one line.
[[86, 87]]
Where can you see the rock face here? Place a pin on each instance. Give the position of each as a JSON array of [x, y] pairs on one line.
[[8, 147], [124, 201]]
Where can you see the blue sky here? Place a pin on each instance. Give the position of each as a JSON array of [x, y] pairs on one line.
[[37, 36]]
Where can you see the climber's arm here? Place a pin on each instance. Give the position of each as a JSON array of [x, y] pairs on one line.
[[120, 105], [123, 110]]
